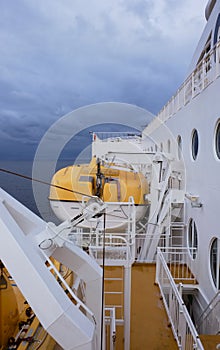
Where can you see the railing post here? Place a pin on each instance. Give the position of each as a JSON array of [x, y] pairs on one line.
[[127, 305], [182, 329], [157, 266]]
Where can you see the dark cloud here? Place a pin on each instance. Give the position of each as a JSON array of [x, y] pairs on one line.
[[58, 56]]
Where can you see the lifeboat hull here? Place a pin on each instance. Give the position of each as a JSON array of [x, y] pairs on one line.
[[74, 186], [117, 214]]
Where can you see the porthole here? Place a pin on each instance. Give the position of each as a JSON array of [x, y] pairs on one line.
[[168, 146], [195, 144], [217, 140], [179, 144], [214, 263], [192, 239]]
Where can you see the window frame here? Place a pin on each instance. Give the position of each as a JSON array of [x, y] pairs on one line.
[[194, 147], [214, 270], [192, 238], [216, 147]]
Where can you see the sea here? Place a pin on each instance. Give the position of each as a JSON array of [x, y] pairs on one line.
[[22, 188]]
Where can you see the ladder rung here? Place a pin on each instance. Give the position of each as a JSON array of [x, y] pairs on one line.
[[113, 279]]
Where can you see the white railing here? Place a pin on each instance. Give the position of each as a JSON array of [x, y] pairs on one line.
[[110, 321], [204, 74], [117, 250], [118, 246], [182, 326], [116, 135], [180, 263], [161, 240]]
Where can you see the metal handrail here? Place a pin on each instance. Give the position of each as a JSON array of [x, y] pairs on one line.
[[178, 257], [182, 326], [112, 320], [122, 135], [93, 240], [207, 71]]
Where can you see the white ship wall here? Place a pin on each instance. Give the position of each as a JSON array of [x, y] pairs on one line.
[[202, 174]]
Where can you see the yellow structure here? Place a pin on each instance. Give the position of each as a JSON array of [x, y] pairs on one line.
[[114, 185]]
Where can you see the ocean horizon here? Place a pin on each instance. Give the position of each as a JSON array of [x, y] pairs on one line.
[[22, 190]]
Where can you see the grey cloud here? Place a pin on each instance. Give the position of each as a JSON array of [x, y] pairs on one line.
[[58, 56]]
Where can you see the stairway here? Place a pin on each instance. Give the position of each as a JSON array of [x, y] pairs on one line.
[[166, 212]]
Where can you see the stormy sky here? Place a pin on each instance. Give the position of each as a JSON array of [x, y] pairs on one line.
[[59, 55]]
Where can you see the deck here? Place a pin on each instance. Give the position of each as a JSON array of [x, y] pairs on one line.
[[149, 322], [210, 342]]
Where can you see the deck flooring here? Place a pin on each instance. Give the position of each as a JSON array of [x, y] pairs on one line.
[[210, 342], [149, 322], [149, 328], [181, 273]]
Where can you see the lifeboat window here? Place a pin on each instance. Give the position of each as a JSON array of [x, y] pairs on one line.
[[214, 263], [192, 239], [195, 144], [217, 140], [84, 178], [179, 144]]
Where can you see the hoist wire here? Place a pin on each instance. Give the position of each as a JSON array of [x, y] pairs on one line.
[[44, 182], [103, 282]]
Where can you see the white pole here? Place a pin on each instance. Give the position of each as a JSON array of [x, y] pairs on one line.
[[127, 305]]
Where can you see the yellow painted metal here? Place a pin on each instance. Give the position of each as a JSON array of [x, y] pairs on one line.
[[12, 311], [149, 323], [210, 342], [9, 315], [120, 184], [36, 337]]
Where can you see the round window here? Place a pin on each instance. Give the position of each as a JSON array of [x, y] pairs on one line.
[[168, 146], [179, 144], [214, 263], [195, 144], [217, 140], [192, 238]]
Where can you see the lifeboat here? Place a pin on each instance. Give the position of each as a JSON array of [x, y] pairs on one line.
[[118, 187]]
